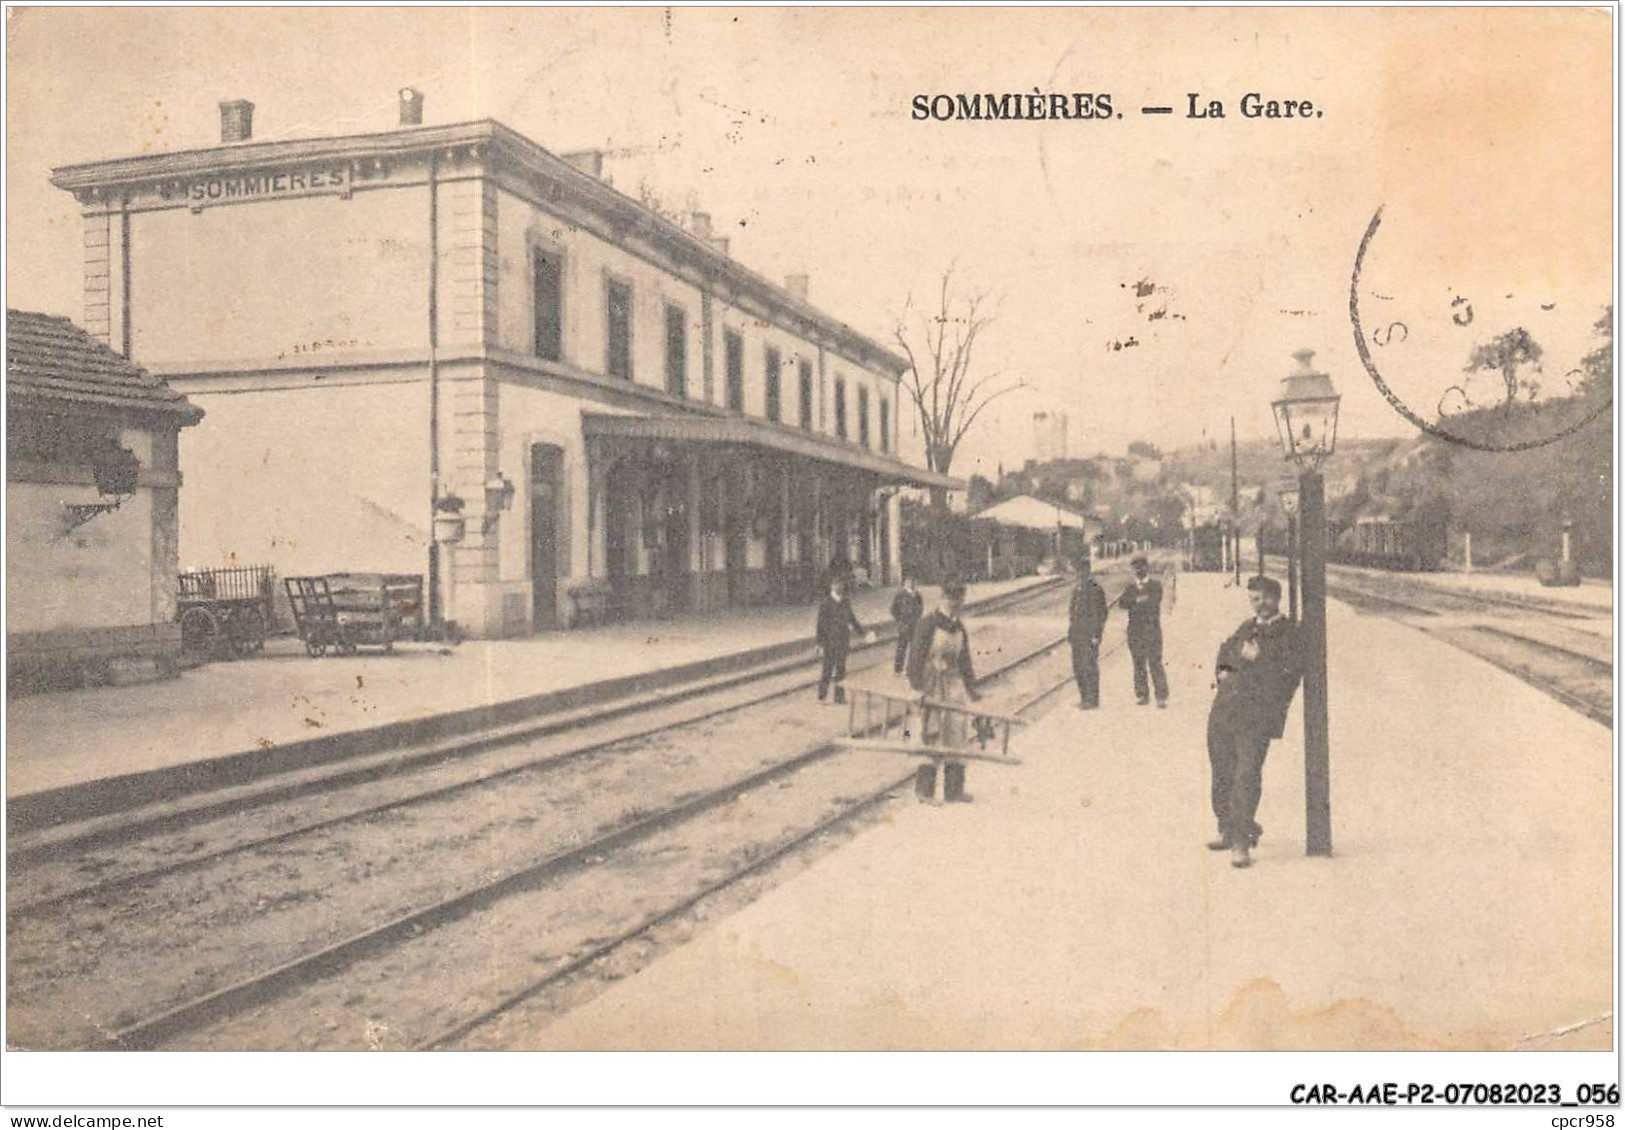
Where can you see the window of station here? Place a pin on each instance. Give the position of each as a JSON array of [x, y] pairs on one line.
[[618, 339], [806, 395], [547, 284], [733, 351], [863, 416], [676, 351], [772, 380], [885, 424], [840, 408]]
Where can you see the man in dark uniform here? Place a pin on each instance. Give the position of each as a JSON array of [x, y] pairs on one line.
[[1143, 602], [906, 608], [836, 623], [1086, 623], [1257, 670]]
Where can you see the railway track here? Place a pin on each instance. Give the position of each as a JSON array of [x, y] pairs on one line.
[[480, 758], [1579, 679], [1419, 591], [574, 858], [512, 898], [1581, 682], [462, 1029]]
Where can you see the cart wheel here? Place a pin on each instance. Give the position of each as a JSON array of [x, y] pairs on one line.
[[200, 634], [247, 632]]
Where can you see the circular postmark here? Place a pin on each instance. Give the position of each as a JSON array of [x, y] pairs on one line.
[[1482, 377]]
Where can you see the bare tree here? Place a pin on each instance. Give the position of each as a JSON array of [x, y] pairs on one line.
[[948, 394]]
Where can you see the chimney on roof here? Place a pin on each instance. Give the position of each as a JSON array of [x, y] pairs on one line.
[[797, 286], [236, 121], [701, 222], [589, 161], [411, 107]]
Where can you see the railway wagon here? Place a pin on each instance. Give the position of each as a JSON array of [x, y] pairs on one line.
[[1387, 543], [1205, 549]]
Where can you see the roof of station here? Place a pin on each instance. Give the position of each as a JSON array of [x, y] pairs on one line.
[[52, 362], [744, 432]]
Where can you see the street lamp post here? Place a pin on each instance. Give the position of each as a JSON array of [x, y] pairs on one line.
[[1306, 417], [1289, 506]]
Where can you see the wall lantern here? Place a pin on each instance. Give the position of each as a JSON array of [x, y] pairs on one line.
[[448, 520], [114, 469], [499, 491], [1306, 414]]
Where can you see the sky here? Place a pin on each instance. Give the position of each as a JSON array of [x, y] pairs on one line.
[[1152, 274]]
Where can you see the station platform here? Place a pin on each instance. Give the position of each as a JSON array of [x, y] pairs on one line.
[[271, 706], [1073, 904]]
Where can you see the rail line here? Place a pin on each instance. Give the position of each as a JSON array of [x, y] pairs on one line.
[[278, 981], [449, 1036], [1464, 638], [1600, 665], [1596, 711], [398, 764], [1342, 576]]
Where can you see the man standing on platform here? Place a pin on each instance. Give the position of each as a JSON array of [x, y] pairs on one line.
[[836, 623], [1086, 624], [1143, 602], [906, 609], [940, 668], [1257, 670]]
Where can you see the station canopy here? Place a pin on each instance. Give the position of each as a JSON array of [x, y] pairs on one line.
[[744, 433], [1035, 514]]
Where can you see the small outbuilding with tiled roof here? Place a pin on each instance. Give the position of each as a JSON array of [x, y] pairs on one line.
[[92, 501]]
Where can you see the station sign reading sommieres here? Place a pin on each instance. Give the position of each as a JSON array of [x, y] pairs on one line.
[[227, 188]]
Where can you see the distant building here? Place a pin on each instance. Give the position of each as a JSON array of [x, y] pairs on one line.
[[444, 349], [1036, 514], [92, 503], [1147, 470], [1049, 436]]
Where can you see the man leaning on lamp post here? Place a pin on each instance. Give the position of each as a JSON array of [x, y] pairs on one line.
[[1257, 671]]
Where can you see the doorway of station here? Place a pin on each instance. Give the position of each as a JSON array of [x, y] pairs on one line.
[[646, 550], [546, 484]]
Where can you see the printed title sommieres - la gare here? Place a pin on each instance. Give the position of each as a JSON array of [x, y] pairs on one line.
[[1037, 106]]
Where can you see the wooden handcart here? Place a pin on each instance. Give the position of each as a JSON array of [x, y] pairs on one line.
[[346, 611], [224, 611]]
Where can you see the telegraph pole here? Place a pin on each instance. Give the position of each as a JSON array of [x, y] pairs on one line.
[[1235, 505]]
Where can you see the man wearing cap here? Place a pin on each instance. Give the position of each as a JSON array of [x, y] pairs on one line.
[[940, 668], [1143, 602], [1257, 672], [1086, 623]]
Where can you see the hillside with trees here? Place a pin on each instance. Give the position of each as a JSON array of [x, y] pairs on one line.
[[1514, 502]]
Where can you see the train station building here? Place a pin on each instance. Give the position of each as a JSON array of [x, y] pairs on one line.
[[446, 350]]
